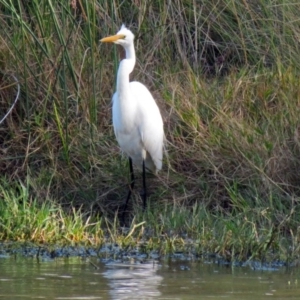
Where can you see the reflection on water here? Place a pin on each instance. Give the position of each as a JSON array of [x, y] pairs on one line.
[[74, 278], [133, 281]]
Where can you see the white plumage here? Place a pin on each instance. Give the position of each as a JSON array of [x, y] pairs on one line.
[[137, 121]]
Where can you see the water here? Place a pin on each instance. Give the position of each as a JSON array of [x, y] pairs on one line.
[[75, 278]]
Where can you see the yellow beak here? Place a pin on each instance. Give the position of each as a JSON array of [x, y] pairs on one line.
[[113, 38]]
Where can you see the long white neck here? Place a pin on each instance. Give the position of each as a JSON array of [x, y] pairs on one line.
[[125, 104], [125, 68]]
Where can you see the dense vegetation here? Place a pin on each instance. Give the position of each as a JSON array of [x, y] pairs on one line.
[[225, 75]]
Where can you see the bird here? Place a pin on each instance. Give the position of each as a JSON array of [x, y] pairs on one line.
[[137, 121]]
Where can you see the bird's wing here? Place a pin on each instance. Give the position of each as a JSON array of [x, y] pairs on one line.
[[149, 122]]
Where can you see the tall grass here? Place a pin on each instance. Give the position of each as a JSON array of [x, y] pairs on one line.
[[224, 74]]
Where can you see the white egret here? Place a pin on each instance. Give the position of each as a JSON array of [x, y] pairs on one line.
[[137, 121]]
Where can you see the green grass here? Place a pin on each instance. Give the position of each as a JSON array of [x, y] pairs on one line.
[[246, 232], [23, 218], [225, 76]]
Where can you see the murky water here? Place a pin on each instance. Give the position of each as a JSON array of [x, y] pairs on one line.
[[74, 278]]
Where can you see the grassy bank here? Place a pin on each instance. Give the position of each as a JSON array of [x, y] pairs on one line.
[[225, 76], [248, 232]]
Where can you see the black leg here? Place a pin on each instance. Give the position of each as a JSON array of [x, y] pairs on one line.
[[144, 187], [130, 187]]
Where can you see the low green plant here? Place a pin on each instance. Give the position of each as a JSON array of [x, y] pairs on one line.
[[23, 218]]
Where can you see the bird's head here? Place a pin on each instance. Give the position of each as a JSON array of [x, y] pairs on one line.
[[124, 37]]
